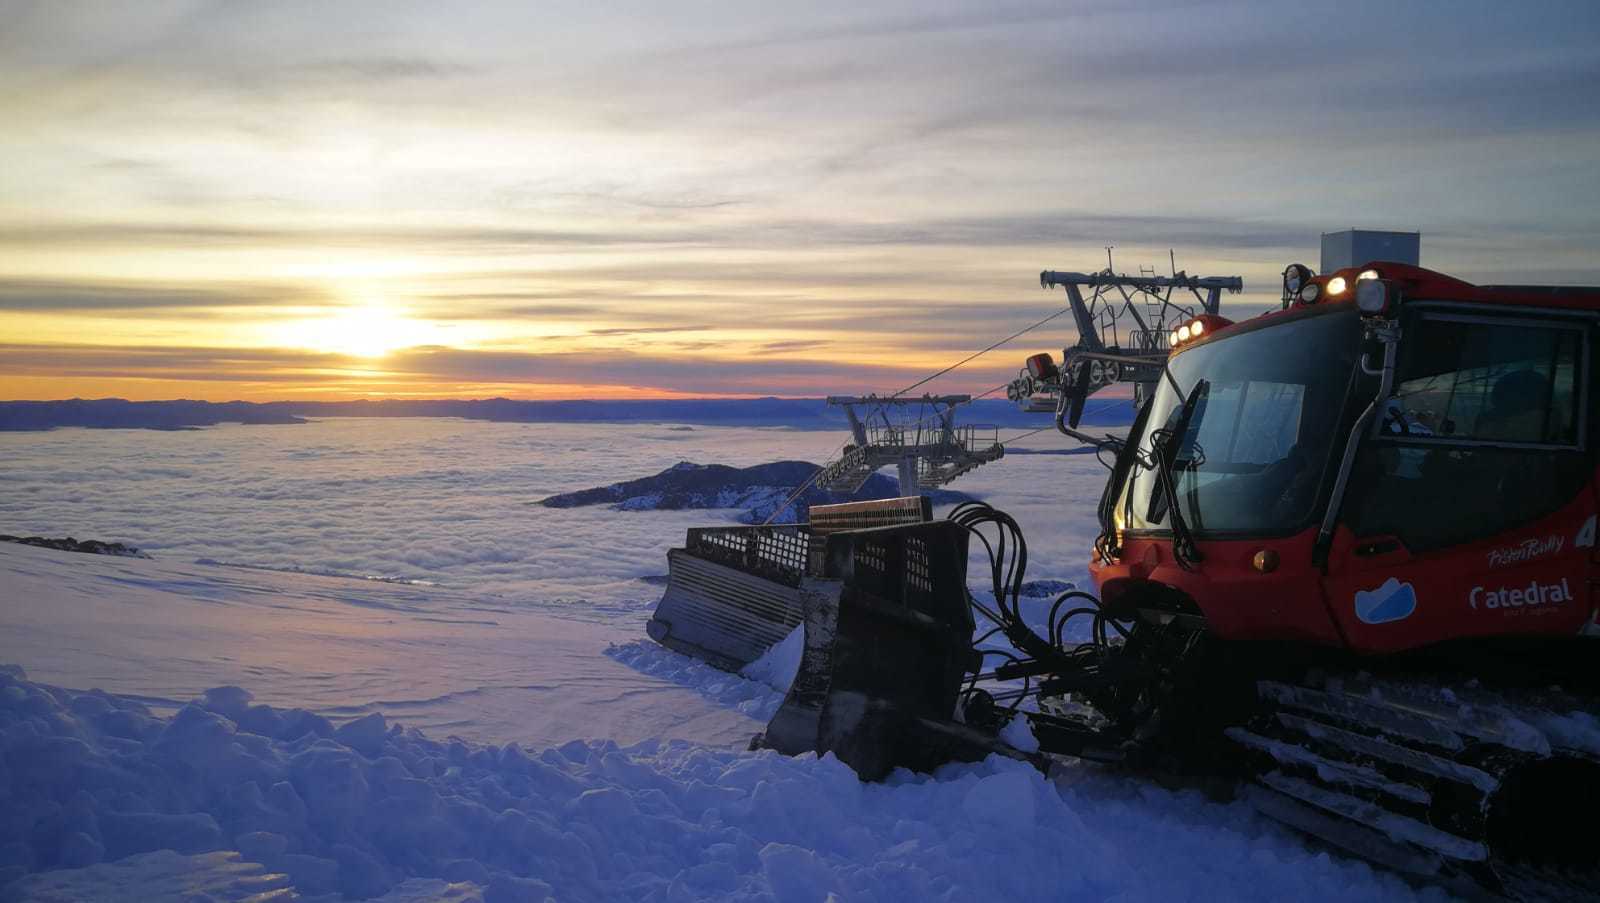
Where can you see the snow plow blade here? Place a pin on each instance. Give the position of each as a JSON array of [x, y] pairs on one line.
[[888, 640], [733, 592]]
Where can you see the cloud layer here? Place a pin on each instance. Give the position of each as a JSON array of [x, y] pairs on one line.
[[810, 193], [447, 501]]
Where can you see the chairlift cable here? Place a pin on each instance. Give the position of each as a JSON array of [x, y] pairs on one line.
[[803, 487], [977, 354], [1019, 436], [1105, 404]]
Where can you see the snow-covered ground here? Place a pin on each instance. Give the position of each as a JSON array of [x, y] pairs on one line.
[[445, 662], [591, 764], [372, 809]]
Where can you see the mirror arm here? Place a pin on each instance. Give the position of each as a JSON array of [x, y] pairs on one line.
[[1387, 332]]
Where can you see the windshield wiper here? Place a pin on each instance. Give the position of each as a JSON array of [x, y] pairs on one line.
[[1166, 443]]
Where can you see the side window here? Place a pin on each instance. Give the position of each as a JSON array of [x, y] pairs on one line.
[[1486, 382], [1481, 434]]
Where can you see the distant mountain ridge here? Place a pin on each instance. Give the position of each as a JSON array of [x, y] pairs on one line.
[[798, 413], [69, 544], [117, 413]]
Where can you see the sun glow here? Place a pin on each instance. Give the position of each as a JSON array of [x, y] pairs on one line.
[[370, 330]]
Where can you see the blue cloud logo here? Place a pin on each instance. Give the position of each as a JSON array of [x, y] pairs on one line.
[[1393, 601]]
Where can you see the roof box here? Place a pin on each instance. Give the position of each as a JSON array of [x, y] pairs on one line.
[[1354, 247]]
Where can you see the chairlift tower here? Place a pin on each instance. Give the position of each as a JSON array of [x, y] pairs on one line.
[[1124, 324], [929, 451]]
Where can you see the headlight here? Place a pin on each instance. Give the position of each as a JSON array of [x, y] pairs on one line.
[[1183, 333], [1295, 276], [1173, 339], [1196, 328], [1372, 297], [1336, 285], [1367, 274]]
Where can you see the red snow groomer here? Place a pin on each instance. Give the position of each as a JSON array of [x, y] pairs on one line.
[[1346, 568]]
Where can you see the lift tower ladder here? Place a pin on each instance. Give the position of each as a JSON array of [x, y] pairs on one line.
[[931, 451]]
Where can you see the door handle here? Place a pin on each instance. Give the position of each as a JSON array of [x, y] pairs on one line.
[[1377, 547]]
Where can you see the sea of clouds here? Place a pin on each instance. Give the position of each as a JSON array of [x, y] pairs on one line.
[[449, 502]]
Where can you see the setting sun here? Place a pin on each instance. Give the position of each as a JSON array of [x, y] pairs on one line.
[[370, 330]]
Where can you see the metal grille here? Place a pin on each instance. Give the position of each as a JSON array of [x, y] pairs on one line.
[[872, 555], [786, 549], [776, 553], [917, 575]]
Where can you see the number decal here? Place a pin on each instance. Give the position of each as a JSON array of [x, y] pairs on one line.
[[1585, 538]]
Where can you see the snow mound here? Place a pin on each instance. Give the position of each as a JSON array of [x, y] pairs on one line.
[[90, 778], [778, 665], [1019, 734]]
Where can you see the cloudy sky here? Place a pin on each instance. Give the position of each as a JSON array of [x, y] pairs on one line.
[[574, 199]]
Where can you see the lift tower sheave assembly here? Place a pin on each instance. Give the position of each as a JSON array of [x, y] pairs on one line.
[[1097, 318], [1125, 329], [930, 451]]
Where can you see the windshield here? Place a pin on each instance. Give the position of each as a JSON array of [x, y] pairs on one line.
[[1265, 420]]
